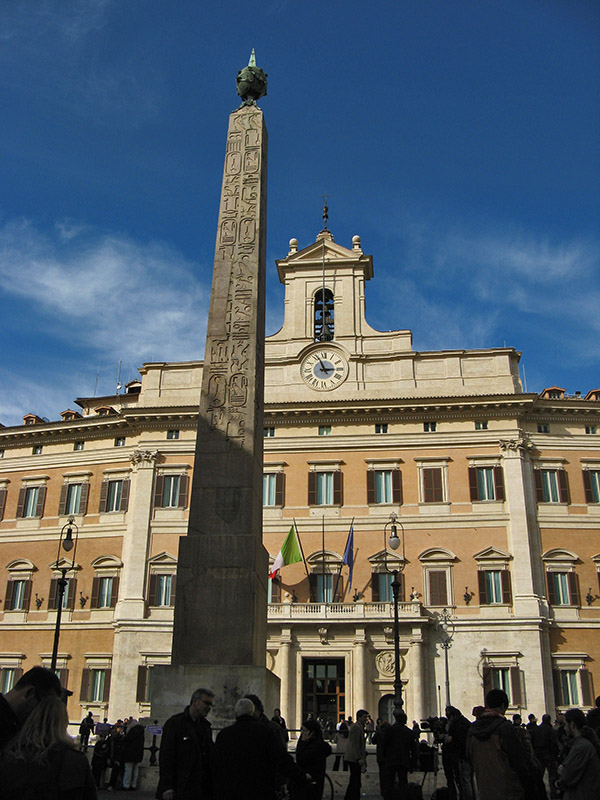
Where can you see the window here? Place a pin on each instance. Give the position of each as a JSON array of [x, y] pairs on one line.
[[68, 602], [3, 494], [551, 486], [430, 427], [591, 485], [173, 434], [268, 432], [78, 445], [274, 590], [171, 491], [486, 483], [384, 486], [269, 489], [324, 488], [323, 321], [568, 684], [481, 425], [37, 450], [95, 685], [432, 487], [104, 591], [120, 441], [114, 495], [162, 590], [144, 684], [563, 589], [543, 427], [381, 427], [437, 587], [8, 678], [572, 681], [73, 500], [2, 453], [18, 593], [31, 501], [494, 587], [590, 429], [381, 587], [324, 430]]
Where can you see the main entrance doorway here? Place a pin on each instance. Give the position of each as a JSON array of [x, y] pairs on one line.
[[323, 689]]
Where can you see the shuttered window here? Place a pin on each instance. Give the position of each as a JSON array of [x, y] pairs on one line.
[[273, 488], [486, 483], [551, 486], [563, 589], [324, 488], [384, 486], [591, 486], [31, 501], [432, 485], [438, 587], [494, 587]]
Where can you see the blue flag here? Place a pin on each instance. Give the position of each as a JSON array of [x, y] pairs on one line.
[[349, 554]]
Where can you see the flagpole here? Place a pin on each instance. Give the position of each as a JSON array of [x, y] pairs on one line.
[[343, 562], [301, 548], [323, 555]]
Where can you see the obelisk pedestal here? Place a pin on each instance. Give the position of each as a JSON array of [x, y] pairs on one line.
[[219, 634]]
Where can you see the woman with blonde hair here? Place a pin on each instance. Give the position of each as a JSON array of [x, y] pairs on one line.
[[42, 762]]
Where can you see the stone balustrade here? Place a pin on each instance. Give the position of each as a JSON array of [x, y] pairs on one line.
[[342, 611]]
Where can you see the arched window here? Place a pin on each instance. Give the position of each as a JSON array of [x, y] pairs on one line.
[[324, 316]]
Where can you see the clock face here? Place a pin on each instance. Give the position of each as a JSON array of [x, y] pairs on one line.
[[324, 369]]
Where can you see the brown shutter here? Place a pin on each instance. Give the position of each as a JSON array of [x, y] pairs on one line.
[[438, 593], [432, 485], [62, 503], [279, 488], [483, 599], [95, 592], [173, 589], [488, 683], [103, 497], [506, 592], [125, 495], [370, 486], [539, 489], [72, 590], [142, 680], [106, 694], [312, 583], [152, 589], [159, 486], [337, 488], [401, 592], [275, 590], [53, 594], [21, 502], [83, 501], [551, 592], [396, 486], [3, 494], [27, 595], [573, 580], [39, 509], [85, 685], [558, 698], [183, 491], [499, 483], [586, 687], [114, 591], [587, 487], [63, 677], [563, 486], [375, 587], [8, 600], [340, 589], [312, 488], [515, 687], [473, 488]]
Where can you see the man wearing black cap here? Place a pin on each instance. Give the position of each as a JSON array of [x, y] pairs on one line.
[[18, 703]]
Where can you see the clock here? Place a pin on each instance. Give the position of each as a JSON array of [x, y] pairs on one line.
[[324, 369]]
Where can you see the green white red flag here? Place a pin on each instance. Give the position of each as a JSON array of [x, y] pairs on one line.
[[290, 553]]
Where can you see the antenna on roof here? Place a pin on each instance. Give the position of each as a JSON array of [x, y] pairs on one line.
[[119, 386], [97, 377]]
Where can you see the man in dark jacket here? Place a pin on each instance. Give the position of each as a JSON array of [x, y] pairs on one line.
[[85, 730], [186, 752], [545, 748], [17, 704], [132, 753], [248, 754], [499, 760], [593, 717], [454, 755], [397, 755]]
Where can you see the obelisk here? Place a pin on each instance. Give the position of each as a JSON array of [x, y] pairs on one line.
[[219, 633]]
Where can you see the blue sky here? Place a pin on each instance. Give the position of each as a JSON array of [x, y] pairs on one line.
[[458, 138]]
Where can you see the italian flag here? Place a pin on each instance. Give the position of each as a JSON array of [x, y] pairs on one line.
[[290, 553]]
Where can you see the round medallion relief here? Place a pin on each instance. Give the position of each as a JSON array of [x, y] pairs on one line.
[[385, 663]]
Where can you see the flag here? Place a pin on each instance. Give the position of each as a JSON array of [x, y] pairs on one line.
[[289, 554], [349, 554]]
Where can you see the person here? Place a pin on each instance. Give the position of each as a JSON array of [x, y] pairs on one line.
[[340, 747], [247, 757], [579, 774], [312, 752], [42, 761], [18, 703], [100, 759], [186, 752], [279, 720], [545, 748], [454, 755], [370, 729], [85, 729], [115, 758], [593, 717], [397, 755], [378, 741], [499, 761], [356, 754], [133, 753]]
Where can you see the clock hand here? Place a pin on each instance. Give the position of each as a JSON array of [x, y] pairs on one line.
[[324, 368]]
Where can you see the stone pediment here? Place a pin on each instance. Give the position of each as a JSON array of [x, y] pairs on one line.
[[492, 554], [311, 257]]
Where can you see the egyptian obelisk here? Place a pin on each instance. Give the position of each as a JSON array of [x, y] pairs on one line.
[[219, 634]]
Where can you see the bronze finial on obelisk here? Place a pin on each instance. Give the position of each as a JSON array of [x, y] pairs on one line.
[[220, 621]]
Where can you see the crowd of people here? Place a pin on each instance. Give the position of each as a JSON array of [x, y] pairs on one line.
[[491, 758]]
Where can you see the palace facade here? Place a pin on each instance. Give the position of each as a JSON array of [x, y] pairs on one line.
[[496, 494]]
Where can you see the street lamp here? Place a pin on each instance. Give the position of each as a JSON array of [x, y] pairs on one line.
[[446, 625], [67, 543], [394, 542]]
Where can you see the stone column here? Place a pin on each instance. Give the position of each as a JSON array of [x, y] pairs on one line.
[[359, 693], [285, 646], [416, 675]]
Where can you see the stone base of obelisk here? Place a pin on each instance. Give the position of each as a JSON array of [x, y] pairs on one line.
[[172, 688]]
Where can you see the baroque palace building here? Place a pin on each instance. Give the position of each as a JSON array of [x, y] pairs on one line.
[[496, 492]]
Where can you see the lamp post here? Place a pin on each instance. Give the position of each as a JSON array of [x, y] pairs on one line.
[[66, 543], [394, 543], [446, 625]]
